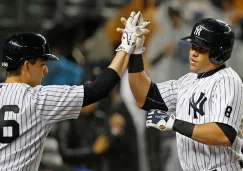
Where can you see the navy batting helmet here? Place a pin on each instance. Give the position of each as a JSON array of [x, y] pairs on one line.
[[21, 46], [215, 35]]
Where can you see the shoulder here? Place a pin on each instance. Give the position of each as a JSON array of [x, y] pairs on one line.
[[227, 74], [16, 86], [58, 89], [227, 77], [188, 77]]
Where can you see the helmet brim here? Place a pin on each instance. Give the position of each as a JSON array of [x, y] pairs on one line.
[[51, 57], [197, 41]]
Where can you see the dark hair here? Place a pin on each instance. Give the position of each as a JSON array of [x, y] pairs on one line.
[[17, 71]]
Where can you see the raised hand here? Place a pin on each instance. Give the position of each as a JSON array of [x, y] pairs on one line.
[[131, 31], [140, 32]]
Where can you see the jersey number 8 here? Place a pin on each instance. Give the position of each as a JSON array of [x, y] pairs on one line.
[[228, 111], [8, 124]]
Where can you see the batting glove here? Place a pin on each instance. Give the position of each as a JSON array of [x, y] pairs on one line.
[[131, 31], [160, 120], [139, 48]]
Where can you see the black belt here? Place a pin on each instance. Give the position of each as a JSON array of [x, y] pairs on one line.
[[240, 162]]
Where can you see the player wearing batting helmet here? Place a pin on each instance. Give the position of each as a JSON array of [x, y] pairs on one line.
[[23, 46], [208, 101], [28, 110]]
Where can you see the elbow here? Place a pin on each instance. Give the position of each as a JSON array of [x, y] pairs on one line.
[[224, 141], [139, 104], [227, 143], [228, 134]]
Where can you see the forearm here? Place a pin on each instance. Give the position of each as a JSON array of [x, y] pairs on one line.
[[138, 80], [120, 62], [208, 133], [100, 87], [107, 80], [139, 84]]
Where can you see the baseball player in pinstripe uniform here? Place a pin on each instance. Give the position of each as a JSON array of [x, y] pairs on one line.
[[28, 110], [208, 102]]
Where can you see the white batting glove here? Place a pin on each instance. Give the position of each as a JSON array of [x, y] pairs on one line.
[[131, 31], [139, 48], [160, 120]]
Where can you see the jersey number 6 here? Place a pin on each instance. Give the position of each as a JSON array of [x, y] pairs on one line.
[[8, 124]]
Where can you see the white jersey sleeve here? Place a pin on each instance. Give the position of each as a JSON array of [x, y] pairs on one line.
[[168, 91], [56, 103], [227, 101]]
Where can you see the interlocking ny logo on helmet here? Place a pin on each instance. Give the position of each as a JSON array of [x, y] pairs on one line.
[[198, 30], [215, 35]]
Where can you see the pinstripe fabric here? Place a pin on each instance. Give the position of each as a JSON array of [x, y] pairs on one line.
[[39, 108], [221, 101]]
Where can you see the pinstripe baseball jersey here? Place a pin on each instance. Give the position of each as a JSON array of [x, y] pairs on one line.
[[214, 98], [26, 117]]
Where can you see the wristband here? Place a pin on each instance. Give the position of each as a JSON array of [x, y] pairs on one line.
[[183, 127], [135, 63]]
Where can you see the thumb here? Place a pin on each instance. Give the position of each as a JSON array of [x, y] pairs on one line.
[[120, 30], [141, 32]]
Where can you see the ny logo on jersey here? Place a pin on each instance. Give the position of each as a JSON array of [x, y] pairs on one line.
[[198, 105], [198, 30]]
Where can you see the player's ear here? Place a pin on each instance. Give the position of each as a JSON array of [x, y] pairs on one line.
[[26, 66]]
